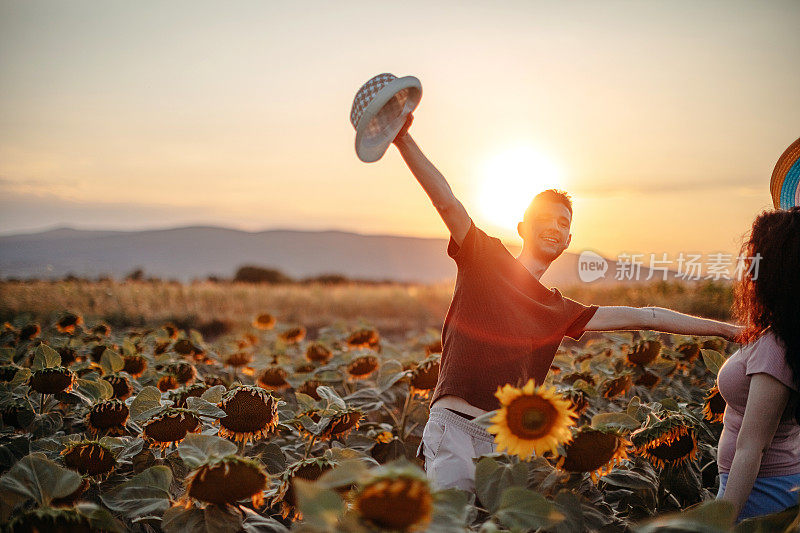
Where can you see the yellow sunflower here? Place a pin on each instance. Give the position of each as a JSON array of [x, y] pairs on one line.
[[531, 420]]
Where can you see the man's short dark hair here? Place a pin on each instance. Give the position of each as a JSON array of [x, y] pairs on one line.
[[550, 195]]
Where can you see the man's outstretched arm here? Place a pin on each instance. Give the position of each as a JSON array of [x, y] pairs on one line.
[[436, 187], [609, 318]]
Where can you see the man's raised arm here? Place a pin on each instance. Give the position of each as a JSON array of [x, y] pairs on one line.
[[610, 318], [436, 187]]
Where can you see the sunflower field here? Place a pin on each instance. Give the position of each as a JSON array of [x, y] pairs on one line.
[[268, 430]]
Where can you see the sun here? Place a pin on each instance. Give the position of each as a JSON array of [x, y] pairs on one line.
[[511, 179]]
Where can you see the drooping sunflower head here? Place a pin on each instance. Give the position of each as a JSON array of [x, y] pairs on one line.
[[293, 335], [171, 330], [341, 424], [316, 352], [310, 388], [179, 396], [273, 378], [30, 331], [310, 469], [122, 387], [363, 338], [184, 372], [647, 379], [398, 498], [227, 480], [425, 376], [238, 359], [304, 368], [167, 382], [68, 323], [594, 451], [572, 377], [50, 520], [644, 353], [688, 351], [362, 367], [264, 321], [672, 440], [714, 406], [170, 427], [187, 348], [433, 348], [531, 420], [108, 417], [251, 413], [135, 365], [52, 380], [617, 386], [101, 329], [7, 372], [89, 458]]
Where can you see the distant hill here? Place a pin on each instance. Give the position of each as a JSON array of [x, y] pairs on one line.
[[198, 252]]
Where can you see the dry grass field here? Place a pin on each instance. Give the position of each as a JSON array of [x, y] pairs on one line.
[[394, 309]]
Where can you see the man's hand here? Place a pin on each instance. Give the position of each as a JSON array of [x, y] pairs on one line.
[[404, 130]]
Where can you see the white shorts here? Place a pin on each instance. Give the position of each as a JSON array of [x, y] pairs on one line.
[[449, 444]]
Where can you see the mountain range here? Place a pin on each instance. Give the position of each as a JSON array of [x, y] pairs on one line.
[[197, 252]]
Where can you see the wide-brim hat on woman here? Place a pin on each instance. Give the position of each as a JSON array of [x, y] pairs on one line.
[[785, 182], [379, 112]]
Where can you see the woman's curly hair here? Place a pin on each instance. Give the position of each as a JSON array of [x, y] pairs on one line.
[[769, 297]]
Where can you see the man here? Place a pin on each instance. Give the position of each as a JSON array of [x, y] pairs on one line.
[[504, 326]]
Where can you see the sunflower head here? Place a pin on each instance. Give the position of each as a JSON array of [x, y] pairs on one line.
[[135, 365], [89, 458], [714, 406], [399, 498], [29, 332], [108, 417], [310, 388], [68, 323], [594, 451], [363, 338], [579, 401], [304, 368], [120, 384], [617, 386], [167, 382], [68, 355], [184, 372], [688, 351], [251, 413], [316, 352], [644, 353], [310, 469], [264, 321], [670, 441], [238, 359], [531, 420], [7, 372], [425, 376], [101, 329], [273, 378], [52, 380], [433, 348], [293, 335], [341, 424], [187, 348], [362, 367], [648, 379], [170, 427], [49, 519], [227, 480], [171, 330], [179, 396]]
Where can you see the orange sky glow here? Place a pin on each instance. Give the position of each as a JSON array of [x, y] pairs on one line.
[[662, 119]]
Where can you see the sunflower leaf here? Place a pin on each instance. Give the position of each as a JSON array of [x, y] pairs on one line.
[[38, 478], [45, 357], [204, 408], [144, 494], [713, 360], [147, 399], [614, 421], [492, 478], [197, 448], [523, 509], [333, 399], [111, 361], [214, 394]]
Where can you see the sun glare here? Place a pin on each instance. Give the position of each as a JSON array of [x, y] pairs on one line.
[[511, 180]]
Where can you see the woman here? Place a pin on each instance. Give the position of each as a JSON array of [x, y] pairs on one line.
[[759, 449]]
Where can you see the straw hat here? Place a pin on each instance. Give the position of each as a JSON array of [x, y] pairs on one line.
[[379, 111], [785, 182]]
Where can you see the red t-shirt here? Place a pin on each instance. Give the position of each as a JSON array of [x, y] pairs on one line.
[[503, 325]]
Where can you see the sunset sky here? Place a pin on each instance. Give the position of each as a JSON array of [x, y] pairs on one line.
[[662, 119]]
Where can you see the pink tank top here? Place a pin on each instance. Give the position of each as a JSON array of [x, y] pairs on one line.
[[767, 355]]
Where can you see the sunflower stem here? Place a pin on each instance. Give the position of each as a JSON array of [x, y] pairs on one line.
[[309, 446], [404, 415], [41, 403], [242, 444]]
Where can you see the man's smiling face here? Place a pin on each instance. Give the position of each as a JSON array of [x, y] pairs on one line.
[[545, 231]]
